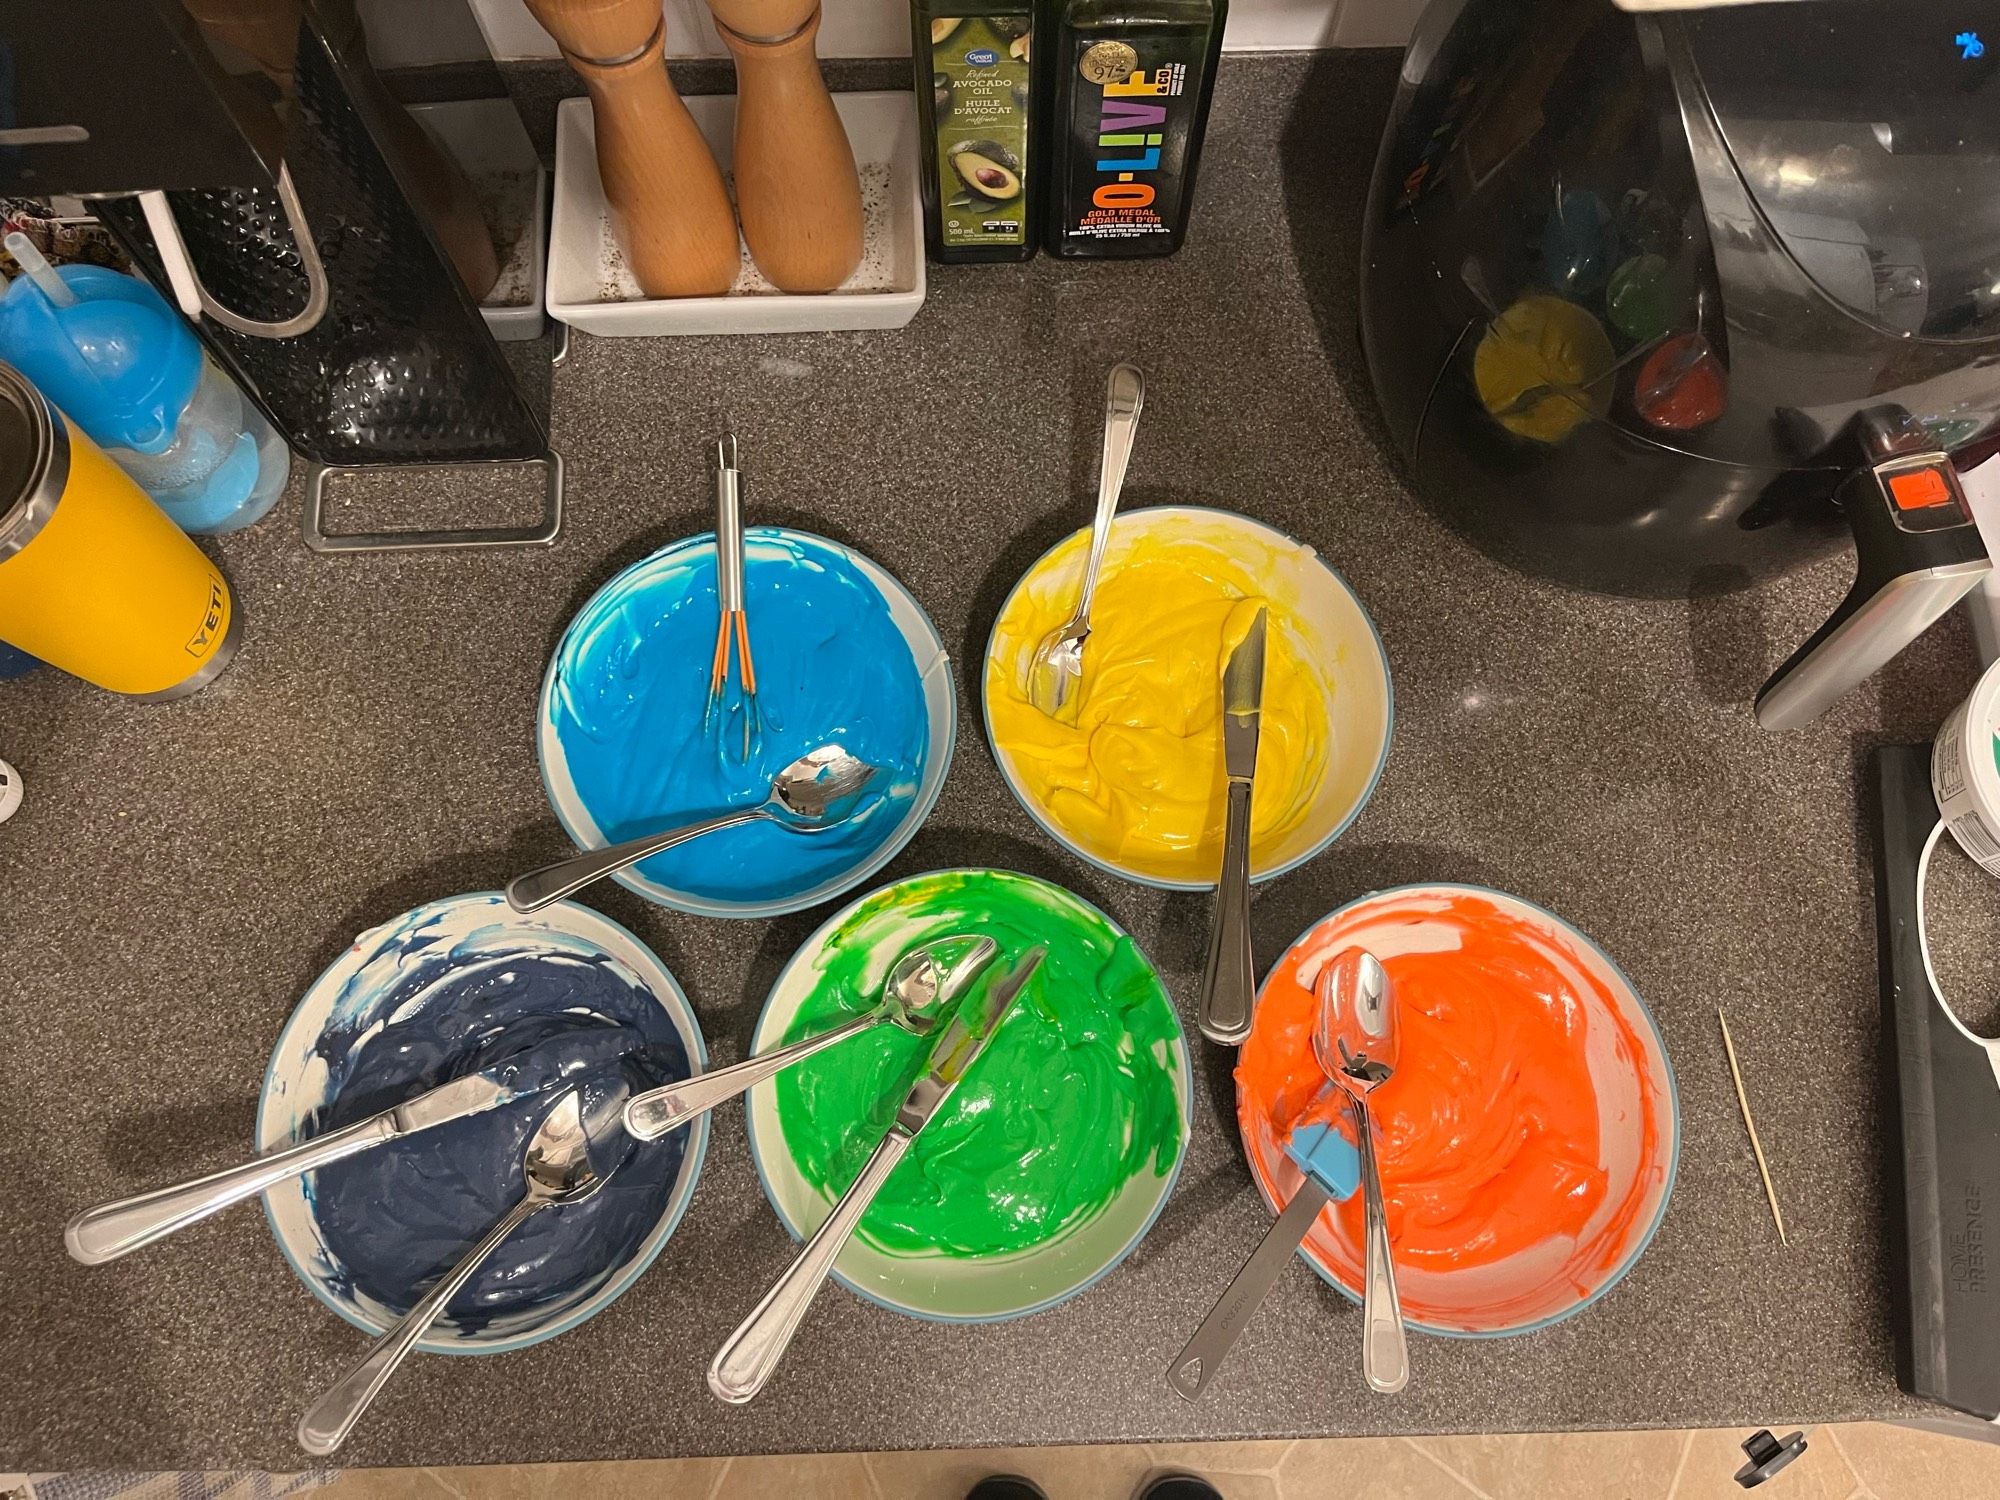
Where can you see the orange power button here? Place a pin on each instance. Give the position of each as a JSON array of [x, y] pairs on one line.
[[1920, 489]]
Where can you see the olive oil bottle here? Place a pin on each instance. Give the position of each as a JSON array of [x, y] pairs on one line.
[[977, 141], [1130, 82]]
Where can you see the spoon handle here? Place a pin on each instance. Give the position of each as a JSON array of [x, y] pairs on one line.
[[1385, 1354], [744, 1363], [1229, 984], [651, 1115], [330, 1419], [1124, 399], [537, 888], [1224, 1325]]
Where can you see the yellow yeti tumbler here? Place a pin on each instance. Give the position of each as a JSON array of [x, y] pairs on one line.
[[94, 578]]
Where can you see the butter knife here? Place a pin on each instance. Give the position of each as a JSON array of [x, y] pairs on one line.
[[1229, 984], [111, 1230], [746, 1361]]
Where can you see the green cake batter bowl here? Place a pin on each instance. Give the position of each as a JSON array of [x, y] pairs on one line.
[[1055, 1156]]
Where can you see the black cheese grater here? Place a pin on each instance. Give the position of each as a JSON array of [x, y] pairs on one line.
[[400, 369]]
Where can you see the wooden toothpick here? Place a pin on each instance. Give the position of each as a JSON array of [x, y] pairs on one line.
[[1743, 1099]]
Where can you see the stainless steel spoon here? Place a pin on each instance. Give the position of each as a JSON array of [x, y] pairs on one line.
[[917, 996], [1355, 1042], [819, 790], [559, 1170], [1056, 673]]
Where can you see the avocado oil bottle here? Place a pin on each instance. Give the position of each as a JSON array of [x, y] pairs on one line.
[[1131, 82], [976, 106]]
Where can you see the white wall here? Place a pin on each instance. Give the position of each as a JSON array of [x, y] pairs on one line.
[[881, 28]]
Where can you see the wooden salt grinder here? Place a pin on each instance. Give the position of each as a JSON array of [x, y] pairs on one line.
[[660, 178], [797, 191]]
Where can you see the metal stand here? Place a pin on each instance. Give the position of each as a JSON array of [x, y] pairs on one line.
[[540, 534]]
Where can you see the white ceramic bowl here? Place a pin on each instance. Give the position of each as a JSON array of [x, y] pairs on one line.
[[295, 1085], [933, 664], [944, 1288], [1333, 629], [1554, 1278]]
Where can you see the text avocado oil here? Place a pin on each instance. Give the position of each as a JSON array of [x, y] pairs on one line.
[[976, 107]]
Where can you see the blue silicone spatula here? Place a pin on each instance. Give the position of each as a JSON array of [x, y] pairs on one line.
[[1332, 1168]]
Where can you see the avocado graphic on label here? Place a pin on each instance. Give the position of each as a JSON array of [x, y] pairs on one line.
[[943, 27], [988, 169]]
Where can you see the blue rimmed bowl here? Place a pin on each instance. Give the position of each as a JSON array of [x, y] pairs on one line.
[[1638, 1114], [868, 842], [1312, 603], [931, 1285], [356, 993]]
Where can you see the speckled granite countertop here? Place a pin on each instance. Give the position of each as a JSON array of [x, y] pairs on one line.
[[180, 874]]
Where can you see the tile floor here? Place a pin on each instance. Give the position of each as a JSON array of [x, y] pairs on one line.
[[1862, 1461]]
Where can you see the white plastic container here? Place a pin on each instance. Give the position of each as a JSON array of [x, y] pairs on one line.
[[591, 288], [1965, 772]]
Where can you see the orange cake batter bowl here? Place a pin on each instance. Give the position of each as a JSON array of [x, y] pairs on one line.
[[1529, 1139]]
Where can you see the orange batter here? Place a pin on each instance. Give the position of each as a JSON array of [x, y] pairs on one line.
[[1489, 1132]]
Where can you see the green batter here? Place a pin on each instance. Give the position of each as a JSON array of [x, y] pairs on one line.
[[1075, 1095]]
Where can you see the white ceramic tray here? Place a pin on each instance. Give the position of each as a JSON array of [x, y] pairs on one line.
[[590, 287], [487, 139]]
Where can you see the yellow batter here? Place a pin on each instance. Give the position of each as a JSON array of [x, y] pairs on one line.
[[1543, 340], [1138, 781]]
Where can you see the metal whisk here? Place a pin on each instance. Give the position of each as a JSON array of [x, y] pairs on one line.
[[734, 620]]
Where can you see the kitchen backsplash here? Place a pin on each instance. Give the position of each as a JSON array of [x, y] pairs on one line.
[[400, 35]]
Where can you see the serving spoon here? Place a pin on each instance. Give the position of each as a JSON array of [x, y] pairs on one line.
[[1056, 672], [917, 995], [818, 791], [558, 1169], [1355, 1041]]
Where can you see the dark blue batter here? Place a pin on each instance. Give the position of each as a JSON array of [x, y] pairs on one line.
[[398, 1216]]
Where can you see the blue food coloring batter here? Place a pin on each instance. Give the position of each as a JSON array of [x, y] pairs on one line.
[[631, 682], [399, 1215]]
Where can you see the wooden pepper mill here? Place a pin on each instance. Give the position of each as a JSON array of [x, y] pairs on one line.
[[797, 191], [660, 178]]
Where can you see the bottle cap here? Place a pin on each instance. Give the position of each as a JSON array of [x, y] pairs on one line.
[[120, 363]]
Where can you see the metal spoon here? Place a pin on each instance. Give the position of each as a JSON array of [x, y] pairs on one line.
[[558, 1170], [916, 996], [1056, 672], [820, 789], [1355, 1042]]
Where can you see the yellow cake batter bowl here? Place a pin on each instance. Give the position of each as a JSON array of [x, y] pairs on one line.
[[1137, 785]]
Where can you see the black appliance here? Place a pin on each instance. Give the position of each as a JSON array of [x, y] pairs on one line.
[[1675, 301], [1943, 1120]]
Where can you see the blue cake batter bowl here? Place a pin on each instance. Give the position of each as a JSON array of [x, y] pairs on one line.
[[643, 706], [353, 996]]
